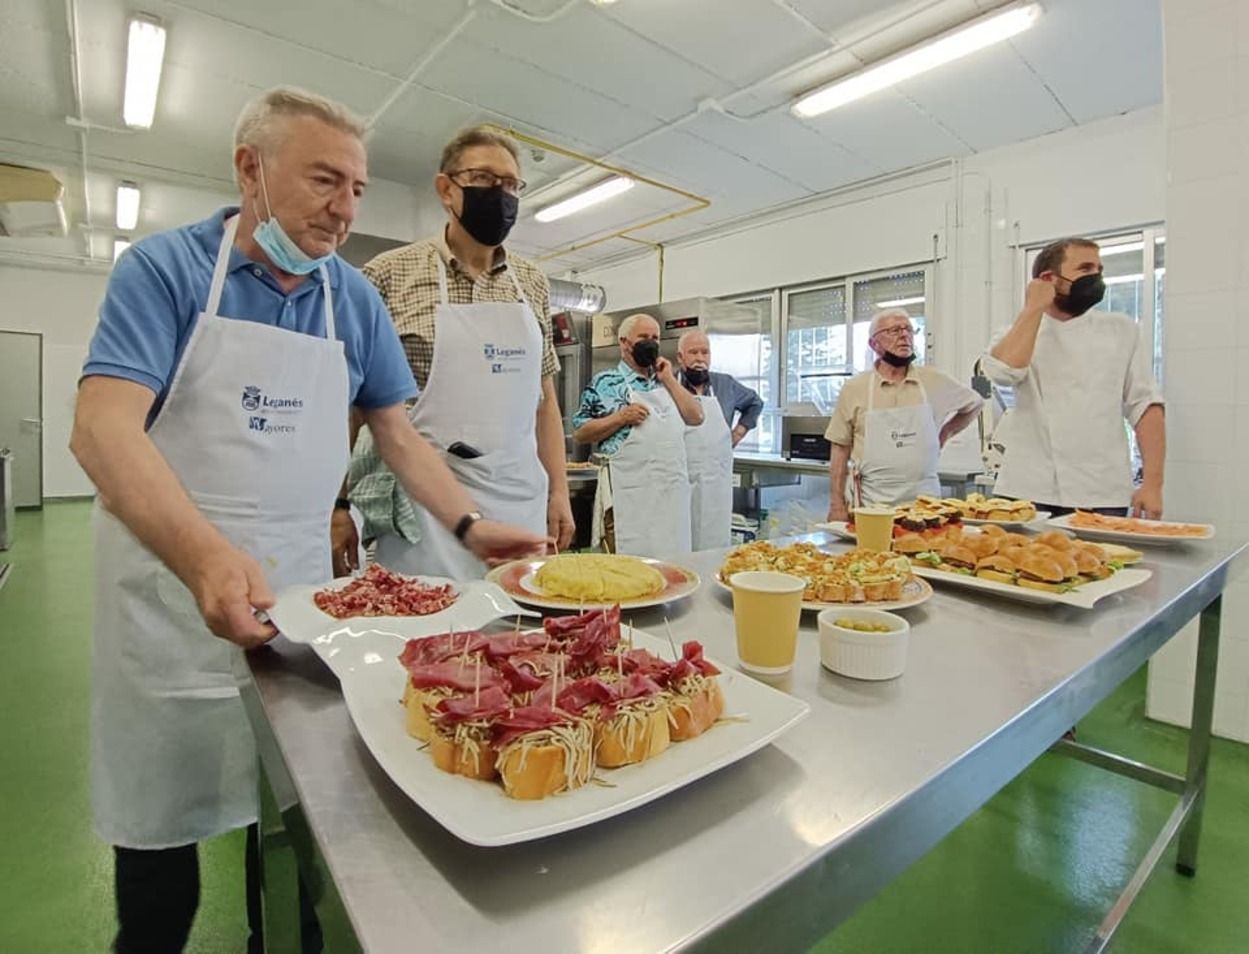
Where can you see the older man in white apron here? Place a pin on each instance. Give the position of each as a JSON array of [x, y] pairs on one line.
[[213, 419], [709, 462], [636, 413], [892, 422]]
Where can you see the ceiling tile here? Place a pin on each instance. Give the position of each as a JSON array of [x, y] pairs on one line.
[[1100, 59], [1011, 102], [887, 131], [599, 53], [783, 145], [34, 59], [751, 41], [389, 35]]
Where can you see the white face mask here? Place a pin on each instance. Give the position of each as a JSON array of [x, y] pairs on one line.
[[280, 247]]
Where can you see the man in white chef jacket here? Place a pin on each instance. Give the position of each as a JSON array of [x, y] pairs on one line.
[[636, 415], [891, 423], [213, 419], [1078, 376]]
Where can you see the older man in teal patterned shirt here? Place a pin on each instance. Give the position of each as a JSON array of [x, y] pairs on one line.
[[606, 416]]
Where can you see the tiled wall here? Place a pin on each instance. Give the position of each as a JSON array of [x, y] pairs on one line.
[[1206, 116]]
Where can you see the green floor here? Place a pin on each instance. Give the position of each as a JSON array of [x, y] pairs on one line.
[[1033, 871]]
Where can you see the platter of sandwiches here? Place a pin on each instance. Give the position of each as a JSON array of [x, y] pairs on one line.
[[508, 736], [1051, 568], [1132, 530], [379, 600], [860, 577], [594, 580], [979, 509]]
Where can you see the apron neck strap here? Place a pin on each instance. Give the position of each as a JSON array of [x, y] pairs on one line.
[[213, 305], [442, 283]]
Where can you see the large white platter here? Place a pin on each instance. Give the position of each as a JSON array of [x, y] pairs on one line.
[[479, 603], [1085, 597], [479, 813], [1131, 539], [915, 592], [516, 579]]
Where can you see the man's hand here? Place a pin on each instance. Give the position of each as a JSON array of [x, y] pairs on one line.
[[632, 414], [344, 543], [1146, 503], [1040, 294], [494, 542], [738, 433], [663, 371], [559, 522], [837, 510], [228, 586]]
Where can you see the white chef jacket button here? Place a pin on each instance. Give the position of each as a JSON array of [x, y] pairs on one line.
[[257, 271]]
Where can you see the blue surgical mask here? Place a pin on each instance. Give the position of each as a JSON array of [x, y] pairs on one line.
[[281, 249]]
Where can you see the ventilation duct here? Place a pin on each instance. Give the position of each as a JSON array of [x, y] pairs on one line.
[[30, 202], [574, 296]]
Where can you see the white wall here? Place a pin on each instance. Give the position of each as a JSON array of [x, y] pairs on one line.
[[1206, 341], [61, 305]]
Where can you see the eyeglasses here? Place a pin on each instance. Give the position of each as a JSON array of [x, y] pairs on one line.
[[485, 179], [902, 331]]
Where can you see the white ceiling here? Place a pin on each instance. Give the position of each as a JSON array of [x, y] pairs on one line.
[[622, 82]]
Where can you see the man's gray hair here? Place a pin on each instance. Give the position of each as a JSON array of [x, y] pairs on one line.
[[687, 335], [627, 326], [259, 123], [885, 316]]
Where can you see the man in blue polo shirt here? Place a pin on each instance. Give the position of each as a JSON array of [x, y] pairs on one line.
[[213, 418]]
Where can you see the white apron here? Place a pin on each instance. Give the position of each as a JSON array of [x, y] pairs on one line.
[[484, 387], [255, 428], [901, 447], [709, 460], [650, 488]]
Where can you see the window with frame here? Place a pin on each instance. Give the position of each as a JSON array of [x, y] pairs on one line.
[[742, 346]]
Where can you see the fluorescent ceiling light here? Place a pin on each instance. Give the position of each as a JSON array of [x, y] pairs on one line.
[[120, 244], [127, 206], [957, 43], [583, 200], [145, 54], [901, 302]]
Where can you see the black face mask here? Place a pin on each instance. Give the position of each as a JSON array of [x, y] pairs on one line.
[[489, 213], [646, 352], [1085, 292], [696, 377], [896, 359]]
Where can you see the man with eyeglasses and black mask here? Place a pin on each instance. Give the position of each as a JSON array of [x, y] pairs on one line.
[[636, 414], [890, 423], [474, 324], [1078, 375]]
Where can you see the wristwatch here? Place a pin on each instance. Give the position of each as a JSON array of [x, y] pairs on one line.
[[342, 503], [466, 521]]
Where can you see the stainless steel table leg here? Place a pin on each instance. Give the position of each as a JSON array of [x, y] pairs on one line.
[[1199, 735], [279, 878]]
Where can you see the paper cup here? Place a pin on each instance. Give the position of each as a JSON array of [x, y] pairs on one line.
[[873, 528], [766, 609]]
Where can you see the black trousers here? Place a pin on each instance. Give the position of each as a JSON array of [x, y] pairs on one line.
[[158, 894]]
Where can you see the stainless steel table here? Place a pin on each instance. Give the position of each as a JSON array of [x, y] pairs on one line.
[[755, 470], [768, 854]]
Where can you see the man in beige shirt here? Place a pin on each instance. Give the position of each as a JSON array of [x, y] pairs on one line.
[[475, 327], [893, 421]]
